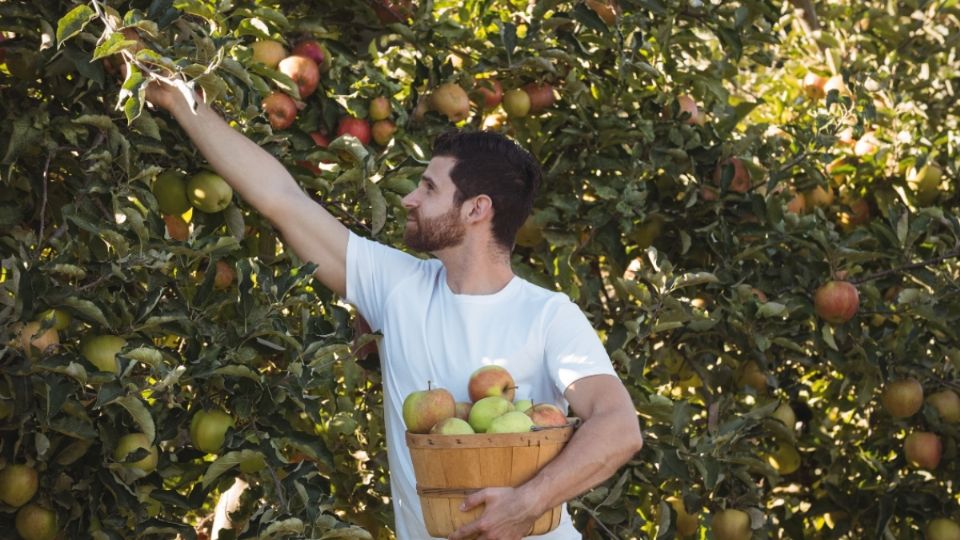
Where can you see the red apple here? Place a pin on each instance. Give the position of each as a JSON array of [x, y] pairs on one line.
[[492, 92], [383, 131], [268, 52], [320, 139], [541, 96], [315, 51], [491, 381], [303, 71], [354, 126], [741, 177], [379, 108], [281, 110], [177, 228], [450, 100], [836, 301], [463, 409], [947, 404], [923, 449], [689, 105], [547, 415], [902, 398], [813, 85], [422, 409], [225, 276]]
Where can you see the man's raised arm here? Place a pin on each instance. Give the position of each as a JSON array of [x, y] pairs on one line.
[[262, 181]]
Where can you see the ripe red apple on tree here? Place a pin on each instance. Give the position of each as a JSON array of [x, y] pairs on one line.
[[902, 398], [541, 96], [740, 182], [492, 92], [268, 52], [315, 51], [225, 275], [491, 381], [281, 110], [18, 484], [422, 409], [357, 127], [382, 131], [177, 228], [547, 415], [813, 85], [947, 404], [923, 449], [731, 524], [303, 71], [836, 301], [450, 100]]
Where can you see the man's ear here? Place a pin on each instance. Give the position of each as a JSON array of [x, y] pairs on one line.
[[480, 208]]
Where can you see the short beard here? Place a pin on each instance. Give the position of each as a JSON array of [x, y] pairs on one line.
[[435, 234]]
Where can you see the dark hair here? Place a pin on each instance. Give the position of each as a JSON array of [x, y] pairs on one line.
[[488, 163]]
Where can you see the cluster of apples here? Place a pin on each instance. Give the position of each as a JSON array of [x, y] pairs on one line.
[[491, 409], [304, 65]]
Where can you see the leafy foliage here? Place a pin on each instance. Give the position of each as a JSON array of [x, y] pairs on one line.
[[702, 289]]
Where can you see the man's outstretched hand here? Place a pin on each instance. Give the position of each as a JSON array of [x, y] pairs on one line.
[[506, 516]]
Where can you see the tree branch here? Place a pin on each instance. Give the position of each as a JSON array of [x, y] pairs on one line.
[[949, 255]]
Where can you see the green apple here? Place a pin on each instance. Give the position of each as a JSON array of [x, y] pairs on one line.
[[30, 339], [943, 529], [61, 319], [452, 426], [209, 192], [516, 103], [523, 405], [484, 411], [511, 422], [101, 351], [18, 484], [424, 408], [35, 522], [731, 524], [208, 429], [132, 442], [170, 189]]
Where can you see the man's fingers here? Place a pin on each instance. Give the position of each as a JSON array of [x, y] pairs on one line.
[[473, 500]]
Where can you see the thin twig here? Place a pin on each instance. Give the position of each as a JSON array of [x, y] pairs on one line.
[[921, 264]]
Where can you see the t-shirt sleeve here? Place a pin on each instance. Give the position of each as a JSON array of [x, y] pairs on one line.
[[373, 271], [573, 349]]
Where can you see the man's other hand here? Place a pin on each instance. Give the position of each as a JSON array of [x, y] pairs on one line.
[[506, 516]]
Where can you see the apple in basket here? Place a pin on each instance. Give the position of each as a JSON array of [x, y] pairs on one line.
[[422, 409]]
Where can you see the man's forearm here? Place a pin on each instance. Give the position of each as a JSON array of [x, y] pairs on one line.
[[253, 172], [599, 447]]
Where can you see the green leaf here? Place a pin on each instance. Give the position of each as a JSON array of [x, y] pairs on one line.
[[694, 278], [73, 22], [378, 206], [771, 310], [73, 427], [226, 462], [112, 45], [88, 310], [141, 415]]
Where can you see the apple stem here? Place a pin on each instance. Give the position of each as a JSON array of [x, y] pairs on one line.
[[429, 383]]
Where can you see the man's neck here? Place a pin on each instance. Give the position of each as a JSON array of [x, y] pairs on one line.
[[476, 270]]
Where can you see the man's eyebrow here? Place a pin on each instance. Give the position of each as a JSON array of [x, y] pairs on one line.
[[428, 180]]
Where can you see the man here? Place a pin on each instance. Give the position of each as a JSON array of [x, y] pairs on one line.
[[442, 318]]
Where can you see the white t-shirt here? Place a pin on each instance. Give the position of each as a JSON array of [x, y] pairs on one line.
[[432, 334]]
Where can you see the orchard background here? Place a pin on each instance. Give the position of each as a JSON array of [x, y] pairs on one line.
[[701, 183]]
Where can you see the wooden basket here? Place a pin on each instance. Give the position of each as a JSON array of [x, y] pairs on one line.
[[450, 467]]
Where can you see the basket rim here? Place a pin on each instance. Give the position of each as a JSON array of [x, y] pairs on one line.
[[540, 437]]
